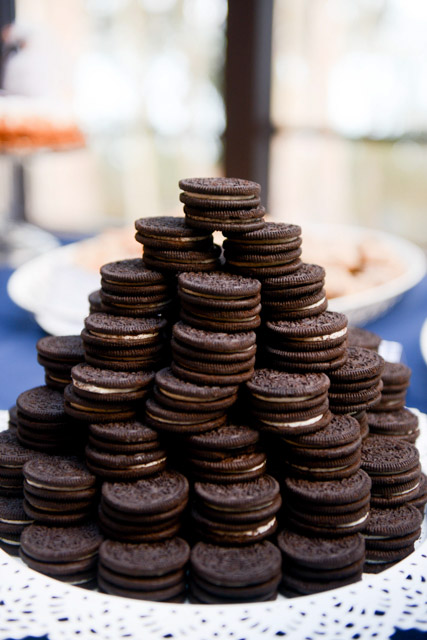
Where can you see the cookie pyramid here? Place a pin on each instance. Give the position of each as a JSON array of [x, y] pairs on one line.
[[218, 406]]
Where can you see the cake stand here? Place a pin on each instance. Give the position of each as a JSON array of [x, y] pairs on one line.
[[33, 604]]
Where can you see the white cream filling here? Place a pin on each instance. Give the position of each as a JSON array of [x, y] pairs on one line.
[[398, 493], [245, 509], [197, 294], [103, 390], [282, 399], [178, 240], [221, 220], [316, 304], [11, 542], [57, 379], [15, 521], [351, 524], [249, 534], [301, 423], [319, 470], [271, 241], [260, 264], [329, 336], [48, 486], [234, 471], [112, 336], [104, 409], [211, 196]]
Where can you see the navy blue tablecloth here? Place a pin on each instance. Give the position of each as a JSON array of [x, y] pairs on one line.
[[19, 334]]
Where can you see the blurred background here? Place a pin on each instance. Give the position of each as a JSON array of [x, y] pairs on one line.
[[322, 101]]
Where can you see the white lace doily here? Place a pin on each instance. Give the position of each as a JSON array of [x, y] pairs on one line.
[[32, 604]]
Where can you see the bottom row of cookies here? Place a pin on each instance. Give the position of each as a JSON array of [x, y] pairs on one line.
[[169, 571]]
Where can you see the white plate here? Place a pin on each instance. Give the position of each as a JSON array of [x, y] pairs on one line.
[[55, 289], [37, 605], [366, 305]]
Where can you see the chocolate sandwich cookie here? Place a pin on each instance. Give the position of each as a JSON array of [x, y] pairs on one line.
[[103, 385], [318, 343], [395, 377], [236, 220], [362, 419], [223, 442], [174, 261], [121, 467], [148, 510], [13, 419], [58, 490], [271, 251], [95, 302], [219, 301], [354, 385], [43, 423], [132, 276], [170, 420], [171, 392], [327, 508], [123, 437], [69, 554], [238, 468], [128, 288], [234, 574], [220, 377], [331, 453], [307, 280], [285, 403], [13, 456], [88, 410], [123, 344], [401, 423], [13, 521], [242, 513], [420, 500], [358, 337], [154, 571], [303, 307], [390, 535], [170, 233], [394, 468], [219, 193], [213, 342], [58, 354], [314, 564]]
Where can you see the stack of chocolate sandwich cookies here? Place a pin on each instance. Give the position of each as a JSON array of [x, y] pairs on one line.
[[269, 252], [171, 246], [69, 554], [13, 521], [395, 471], [389, 418], [58, 491], [144, 571], [126, 450], [129, 289], [58, 355], [222, 204], [204, 389], [316, 343]]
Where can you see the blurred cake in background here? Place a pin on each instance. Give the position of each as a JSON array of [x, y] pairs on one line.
[[29, 123]]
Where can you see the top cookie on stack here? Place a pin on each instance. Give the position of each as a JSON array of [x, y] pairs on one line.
[[222, 204]]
